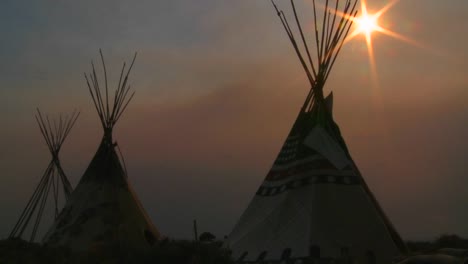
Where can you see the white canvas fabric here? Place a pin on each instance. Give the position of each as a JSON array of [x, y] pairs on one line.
[[312, 198], [331, 217]]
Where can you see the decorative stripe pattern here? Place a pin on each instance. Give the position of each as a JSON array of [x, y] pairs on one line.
[[317, 164], [298, 165], [313, 179], [289, 150]]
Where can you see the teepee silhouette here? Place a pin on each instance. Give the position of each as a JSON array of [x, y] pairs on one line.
[[314, 202], [52, 181], [103, 210]]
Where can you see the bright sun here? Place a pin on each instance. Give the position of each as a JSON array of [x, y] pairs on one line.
[[367, 24]]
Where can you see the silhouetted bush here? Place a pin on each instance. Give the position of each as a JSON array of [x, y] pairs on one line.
[[451, 241], [166, 251], [207, 237], [443, 241], [421, 246]]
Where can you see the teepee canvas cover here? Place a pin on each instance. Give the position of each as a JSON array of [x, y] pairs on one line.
[[104, 210], [313, 202]]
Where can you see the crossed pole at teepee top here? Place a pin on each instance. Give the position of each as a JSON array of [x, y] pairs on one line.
[[336, 21], [54, 132]]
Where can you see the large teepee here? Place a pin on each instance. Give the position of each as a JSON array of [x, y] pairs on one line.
[[103, 211], [314, 203], [53, 180]]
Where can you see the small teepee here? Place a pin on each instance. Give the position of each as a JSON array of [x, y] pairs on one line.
[[314, 203], [53, 180], [103, 211]]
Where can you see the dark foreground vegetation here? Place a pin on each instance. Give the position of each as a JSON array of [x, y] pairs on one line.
[[443, 241], [167, 251]]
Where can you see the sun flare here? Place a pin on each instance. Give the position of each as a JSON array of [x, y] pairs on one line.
[[367, 24]]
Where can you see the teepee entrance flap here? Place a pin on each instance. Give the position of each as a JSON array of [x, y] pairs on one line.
[[319, 140]]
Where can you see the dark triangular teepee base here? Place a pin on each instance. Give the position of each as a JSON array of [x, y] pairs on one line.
[[314, 203], [103, 210], [53, 179], [313, 200]]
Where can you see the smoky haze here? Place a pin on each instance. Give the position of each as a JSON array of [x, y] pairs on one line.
[[217, 90]]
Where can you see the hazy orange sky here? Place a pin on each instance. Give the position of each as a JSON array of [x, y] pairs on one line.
[[217, 89]]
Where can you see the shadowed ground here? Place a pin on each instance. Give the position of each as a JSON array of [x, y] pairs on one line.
[[20, 251]]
